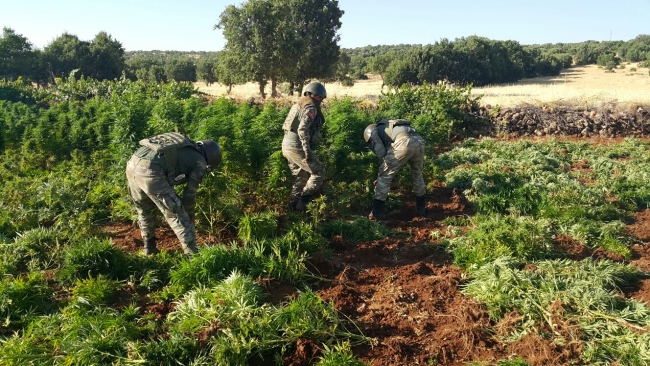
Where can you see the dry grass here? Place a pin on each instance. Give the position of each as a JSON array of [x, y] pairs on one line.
[[588, 86]]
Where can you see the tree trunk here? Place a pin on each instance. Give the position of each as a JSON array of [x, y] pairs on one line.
[[274, 84], [262, 85], [291, 88]]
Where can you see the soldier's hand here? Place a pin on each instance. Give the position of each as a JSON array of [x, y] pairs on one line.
[[374, 183], [306, 161]]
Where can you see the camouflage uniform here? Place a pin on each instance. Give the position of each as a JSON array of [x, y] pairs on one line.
[[151, 187], [301, 132], [404, 145]]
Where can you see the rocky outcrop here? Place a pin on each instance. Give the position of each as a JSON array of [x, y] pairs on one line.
[[543, 121]]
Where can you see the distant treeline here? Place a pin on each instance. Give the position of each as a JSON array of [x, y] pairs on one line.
[[471, 60]]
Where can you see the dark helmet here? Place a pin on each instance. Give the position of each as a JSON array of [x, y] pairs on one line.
[[315, 88], [368, 131], [211, 152]]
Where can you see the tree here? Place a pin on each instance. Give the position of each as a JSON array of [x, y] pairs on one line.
[[106, 57], [258, 39], [380, 63], [290, 40], [358, 67], [206, 70], [342, 73], [67, 53], [180, 69], [16, 55], [227, 71], [316, 23]]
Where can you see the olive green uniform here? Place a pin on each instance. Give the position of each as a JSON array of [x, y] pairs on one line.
[[151, 188], [301, 134], [404, 145]]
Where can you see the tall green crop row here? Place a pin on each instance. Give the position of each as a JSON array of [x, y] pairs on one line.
[[71, 142]]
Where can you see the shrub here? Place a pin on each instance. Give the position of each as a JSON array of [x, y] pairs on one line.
[[437, 111], [34, 249], [360, 229], [338, 355], [258, 226], [523, 238], [98, 290], [24, 297], [93, 257]]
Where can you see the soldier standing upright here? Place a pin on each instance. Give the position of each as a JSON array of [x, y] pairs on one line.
[[396, 143], [162, 162], [301, 133]]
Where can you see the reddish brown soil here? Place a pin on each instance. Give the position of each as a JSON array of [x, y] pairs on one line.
[[128, 237]]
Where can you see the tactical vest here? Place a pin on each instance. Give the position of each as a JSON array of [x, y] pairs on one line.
[[392, 128], [166, 145], [292, 121]]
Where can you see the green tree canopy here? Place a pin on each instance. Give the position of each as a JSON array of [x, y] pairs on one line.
[[180, 69], [66, 53], [206, 70], [106, 58], [282, 40], [16, 55]]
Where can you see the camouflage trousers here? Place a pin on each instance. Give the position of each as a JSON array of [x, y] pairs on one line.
[[308, 177], [405, 150], [150, 191]]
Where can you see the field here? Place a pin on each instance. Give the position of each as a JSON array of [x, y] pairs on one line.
[[408, 293], [534, 251], [585, 86]]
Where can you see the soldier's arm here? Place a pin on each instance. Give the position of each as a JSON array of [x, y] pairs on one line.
[[189, 192], [377, 145], [306, 117]]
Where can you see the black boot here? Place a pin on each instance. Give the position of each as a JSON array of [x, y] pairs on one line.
[[378, 210], [150, 246], [420, 205], [293, 204], [302, 204]]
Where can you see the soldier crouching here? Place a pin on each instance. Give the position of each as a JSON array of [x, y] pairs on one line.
[[396, 143], [162, 162]]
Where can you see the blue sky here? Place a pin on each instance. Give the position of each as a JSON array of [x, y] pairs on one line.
[[187, 25]]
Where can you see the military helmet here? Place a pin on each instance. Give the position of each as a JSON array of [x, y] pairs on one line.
[[315, 88], [368, 131], [211, 152]]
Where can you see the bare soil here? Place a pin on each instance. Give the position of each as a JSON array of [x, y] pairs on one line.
[[404, 291]]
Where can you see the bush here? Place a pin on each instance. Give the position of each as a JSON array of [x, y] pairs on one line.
[[437, 111], [35, 249], [98, 290], [24, 297], [361, 229], [523, 238], [258, 226], [93, 257]]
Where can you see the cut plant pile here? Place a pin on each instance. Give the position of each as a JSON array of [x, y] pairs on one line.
[[562, 121]]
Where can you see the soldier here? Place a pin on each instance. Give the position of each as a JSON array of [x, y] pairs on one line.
[[162, 162], [395, 143], [301, 134]]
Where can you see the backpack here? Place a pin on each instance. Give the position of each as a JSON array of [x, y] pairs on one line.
[[392, 123], [166, 145]]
